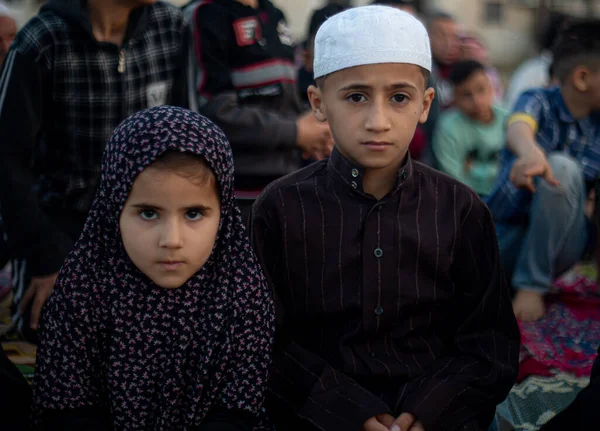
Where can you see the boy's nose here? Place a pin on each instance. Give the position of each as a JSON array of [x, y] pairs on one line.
[[377, 120]]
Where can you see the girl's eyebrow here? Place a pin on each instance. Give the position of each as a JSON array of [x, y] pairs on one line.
[[158, 208]]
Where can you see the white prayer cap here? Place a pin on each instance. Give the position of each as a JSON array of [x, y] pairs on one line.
[[370, 35]]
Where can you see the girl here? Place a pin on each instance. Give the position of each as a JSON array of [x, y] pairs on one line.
[[161, 318]]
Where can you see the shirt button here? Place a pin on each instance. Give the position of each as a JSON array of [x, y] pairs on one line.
[[373, 355], [378, 252], [403, 175], [355, 173], [354, 185], [379, 310]]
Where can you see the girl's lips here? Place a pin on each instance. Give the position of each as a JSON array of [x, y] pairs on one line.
[[171, 265]]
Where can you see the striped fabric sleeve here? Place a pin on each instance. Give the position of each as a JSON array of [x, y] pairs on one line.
[[531, 108], [520, 117], [467, 387]]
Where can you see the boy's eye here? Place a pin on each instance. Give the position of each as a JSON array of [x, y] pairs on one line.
[[356, 98], [148, 214], [193, 215], [400, 98]]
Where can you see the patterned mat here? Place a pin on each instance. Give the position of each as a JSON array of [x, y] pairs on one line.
[[537, 400], [567, 339]]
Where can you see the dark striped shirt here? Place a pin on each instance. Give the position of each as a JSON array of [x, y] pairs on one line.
[[397, 305]]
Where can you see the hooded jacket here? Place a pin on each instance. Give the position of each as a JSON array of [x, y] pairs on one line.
[[62, 93]]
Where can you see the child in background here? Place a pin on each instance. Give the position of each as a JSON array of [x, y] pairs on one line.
[[472, 48], [394, 313], [161, 318], [548, 171], [468, 139]]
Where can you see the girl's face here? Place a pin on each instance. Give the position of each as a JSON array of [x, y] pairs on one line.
[[169, 225]]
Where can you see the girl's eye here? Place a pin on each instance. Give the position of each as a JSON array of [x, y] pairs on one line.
[[193, 215], [148, 214], [400, 98], [356, 98]]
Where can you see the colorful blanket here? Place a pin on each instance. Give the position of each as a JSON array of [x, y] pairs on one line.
[[537, 400], [567, 339]]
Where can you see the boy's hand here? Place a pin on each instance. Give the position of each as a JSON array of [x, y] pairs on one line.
[[381, 422], [533, 164], [314, 137], [407, 422], [39, 290]]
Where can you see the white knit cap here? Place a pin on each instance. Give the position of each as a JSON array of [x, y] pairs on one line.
[[370, 35]]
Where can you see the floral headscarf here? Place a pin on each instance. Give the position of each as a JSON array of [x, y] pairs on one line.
[[157, 358]]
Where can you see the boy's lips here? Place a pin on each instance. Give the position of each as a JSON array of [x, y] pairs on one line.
[[377, 145]]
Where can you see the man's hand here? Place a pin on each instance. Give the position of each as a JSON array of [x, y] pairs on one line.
[[526, 168], [381, 422], [314, 137], [39, 290], [407, 422]]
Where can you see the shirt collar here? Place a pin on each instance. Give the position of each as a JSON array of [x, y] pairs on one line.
[[351, 174], [566, 116], [563, 111]]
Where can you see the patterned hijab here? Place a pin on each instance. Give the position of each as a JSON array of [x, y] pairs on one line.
[[157, 358]]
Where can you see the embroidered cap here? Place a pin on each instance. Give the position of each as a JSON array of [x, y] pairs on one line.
[[370, 35]]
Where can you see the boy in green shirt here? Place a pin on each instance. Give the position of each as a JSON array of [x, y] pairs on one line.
[[468, 139]]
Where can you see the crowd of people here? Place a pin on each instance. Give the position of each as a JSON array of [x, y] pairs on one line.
[[212, 227]]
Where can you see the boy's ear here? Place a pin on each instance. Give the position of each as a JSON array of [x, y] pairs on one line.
[[427, 101], [315, 96], [580, 77]]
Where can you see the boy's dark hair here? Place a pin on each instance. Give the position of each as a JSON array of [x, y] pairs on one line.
[[463, 70], [555, 25], [578, 45], [188, 165], [438, 16]]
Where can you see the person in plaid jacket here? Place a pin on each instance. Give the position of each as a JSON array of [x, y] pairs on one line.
[[73, 73]]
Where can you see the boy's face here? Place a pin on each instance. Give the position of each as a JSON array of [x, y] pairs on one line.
[[587, 81], [445, 45], [169, 225], [474, 97], [373, 111], [308, 56]]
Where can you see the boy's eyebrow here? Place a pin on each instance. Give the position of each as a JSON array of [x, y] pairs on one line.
[[146, 206], [363, 87]]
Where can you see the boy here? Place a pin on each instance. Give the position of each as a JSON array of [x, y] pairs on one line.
[[73, 73], [547, 172], [392, 308], [243, 78], [468, 139], [445, 49]]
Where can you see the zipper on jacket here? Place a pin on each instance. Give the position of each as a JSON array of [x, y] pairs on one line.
[[121, 68]]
